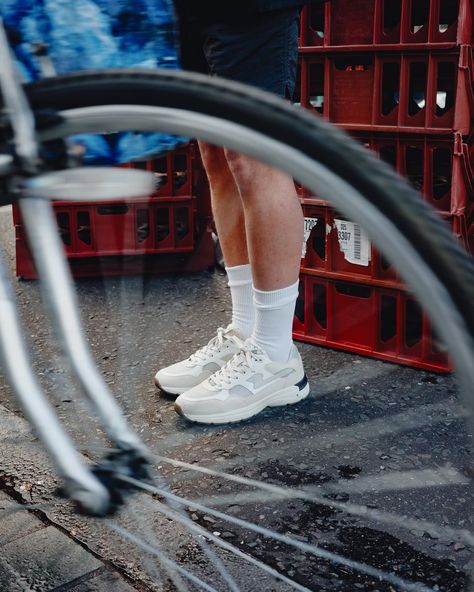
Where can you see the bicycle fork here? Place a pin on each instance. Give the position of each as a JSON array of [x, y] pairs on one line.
[[98, 490], [79, 483]]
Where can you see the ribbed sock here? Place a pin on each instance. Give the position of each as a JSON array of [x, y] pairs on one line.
[[243, 308], [274, 321]]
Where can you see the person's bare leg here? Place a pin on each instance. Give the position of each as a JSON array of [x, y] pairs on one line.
[[273, 221], [226, 204], [255, 204], [274, 229], [228, 215]]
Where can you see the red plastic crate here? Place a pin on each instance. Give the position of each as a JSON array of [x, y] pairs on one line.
[[367, 320], [174, 172], [124, 228], [202, 257], [355, 23], [463, 230], [421, 92], [327, 253], [172, 224], [441, 168]]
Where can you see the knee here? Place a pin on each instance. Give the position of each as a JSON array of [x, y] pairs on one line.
[[244, 169], [214, 160], [221, 180]]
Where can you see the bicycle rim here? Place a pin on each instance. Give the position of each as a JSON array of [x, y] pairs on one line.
[[405, 230]]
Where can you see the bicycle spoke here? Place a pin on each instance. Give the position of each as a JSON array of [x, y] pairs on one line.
[[217, 563], [203, 532], [411, 419], [168, 563], [401, 480], [304, 547], [278, 492]]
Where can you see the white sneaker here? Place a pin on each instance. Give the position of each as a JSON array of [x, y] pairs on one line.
[[184, 375], [247, 384]]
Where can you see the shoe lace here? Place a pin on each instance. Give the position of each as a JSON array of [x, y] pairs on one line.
[[237, 366], [223, 334]]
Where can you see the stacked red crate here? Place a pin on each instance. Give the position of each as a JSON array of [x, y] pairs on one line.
[[167, 231], [363, 24], [397, 75]]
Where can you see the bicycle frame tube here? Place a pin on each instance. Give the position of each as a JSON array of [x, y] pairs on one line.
[[80, 484], [60, 298]]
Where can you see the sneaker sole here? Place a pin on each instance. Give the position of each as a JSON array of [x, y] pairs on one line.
[[289, 396], [169, 390]]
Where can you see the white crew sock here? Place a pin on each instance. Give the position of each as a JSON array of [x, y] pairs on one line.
[[243, 308], [274, 321]]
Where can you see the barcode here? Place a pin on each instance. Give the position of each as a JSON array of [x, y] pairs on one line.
[[357, 242]]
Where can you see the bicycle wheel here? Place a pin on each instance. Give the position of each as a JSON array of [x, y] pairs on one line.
[[315, 154]]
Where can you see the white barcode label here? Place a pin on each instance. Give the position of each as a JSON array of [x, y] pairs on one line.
[[309, 224], [353, 242]]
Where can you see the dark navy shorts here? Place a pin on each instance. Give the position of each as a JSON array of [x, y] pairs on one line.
[[261, 50]]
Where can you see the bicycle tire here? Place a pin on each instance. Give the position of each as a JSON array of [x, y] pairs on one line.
[[311, 137]]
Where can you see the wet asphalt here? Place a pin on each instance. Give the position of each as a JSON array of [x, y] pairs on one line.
[[371, 434]]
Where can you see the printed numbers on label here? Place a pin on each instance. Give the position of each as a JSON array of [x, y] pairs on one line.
[[344, 235]]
